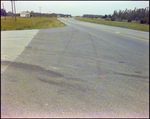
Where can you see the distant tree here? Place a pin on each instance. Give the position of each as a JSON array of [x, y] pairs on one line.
[[3, 12], [129, 20], [32, 14], [144, 21], [115, 14], [120, 14], [103, 17], [91, 16], [109, 16], [136, 14], [113, 19], [136, 19]]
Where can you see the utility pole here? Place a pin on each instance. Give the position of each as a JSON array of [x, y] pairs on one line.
[[40, 12], [12, 8], [15, 11], [4, 12]]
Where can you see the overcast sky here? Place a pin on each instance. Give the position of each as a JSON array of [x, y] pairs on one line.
[[75, 7]]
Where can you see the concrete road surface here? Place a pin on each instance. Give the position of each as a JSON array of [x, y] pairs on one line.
[[80, 70]]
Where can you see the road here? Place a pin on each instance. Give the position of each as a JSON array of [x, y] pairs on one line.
[[80, 70]]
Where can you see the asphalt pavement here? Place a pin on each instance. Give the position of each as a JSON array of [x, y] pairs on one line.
[[80, 70]]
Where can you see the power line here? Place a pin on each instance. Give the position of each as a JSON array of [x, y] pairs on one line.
[[34, 5], [41, 7]]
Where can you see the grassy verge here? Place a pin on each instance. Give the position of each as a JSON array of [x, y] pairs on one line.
[[129, 25], [27, 23]]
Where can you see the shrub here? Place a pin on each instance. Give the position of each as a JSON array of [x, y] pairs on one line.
[[103, 17], [108, 19], [147, 20], [143, 21], [136, 19], [129, 20], [113, 19]]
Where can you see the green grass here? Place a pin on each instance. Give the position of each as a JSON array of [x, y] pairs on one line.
[[27, 23], [128, 25]]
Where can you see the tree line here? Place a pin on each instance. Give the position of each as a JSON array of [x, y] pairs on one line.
[[35, 14], [141, 15], [92, 16], [136, 14]]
